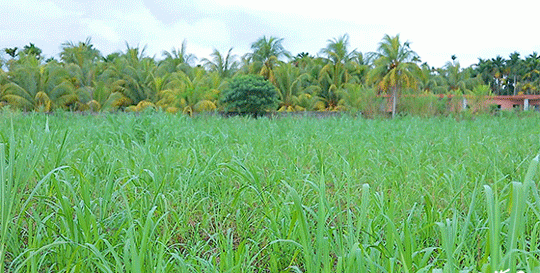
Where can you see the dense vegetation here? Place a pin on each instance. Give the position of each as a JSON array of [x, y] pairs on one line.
[[164, 193], [337, 78]]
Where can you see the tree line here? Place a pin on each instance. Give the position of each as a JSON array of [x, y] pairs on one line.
[[336, 78]]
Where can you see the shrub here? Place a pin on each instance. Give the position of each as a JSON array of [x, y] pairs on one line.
[[250, 94]]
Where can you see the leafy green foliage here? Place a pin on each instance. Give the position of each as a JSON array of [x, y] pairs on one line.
[[250, 94]]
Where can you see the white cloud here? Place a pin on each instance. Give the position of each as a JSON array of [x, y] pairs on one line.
[[100, 28], [32, 9], [469, 29], [140, 27]]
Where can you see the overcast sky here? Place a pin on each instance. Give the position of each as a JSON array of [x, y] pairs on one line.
[[436, 29]]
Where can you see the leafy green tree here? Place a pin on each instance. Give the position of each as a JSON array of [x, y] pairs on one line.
[[250, 94], [395, 67]]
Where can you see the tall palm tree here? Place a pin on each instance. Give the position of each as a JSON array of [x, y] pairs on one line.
[[429, 81], [11, 51], [339, 68], [36, 86], [498, 72], [266, 54], [32, 49], [265, 48], [177, 59], [81, 61], [337, 50], [80, 54], [457, 78], [130, 78], [290, 83], [514, 66], [225, 66], [395, 67]]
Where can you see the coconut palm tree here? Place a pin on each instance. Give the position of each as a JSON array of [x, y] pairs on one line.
[[457, 78], [36, 86], [430, 81], [514, 65], [265, 48], [81, 62], [267, 53], [11, 51], [332, 80], [80, 54], [290, 83], [337, 50], [194, 92], [177, 59], [225, 66], [32, 49], [339, 68], [129, 77], [395, 67]]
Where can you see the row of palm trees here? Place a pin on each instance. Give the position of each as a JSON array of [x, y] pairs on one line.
[[338, 78]]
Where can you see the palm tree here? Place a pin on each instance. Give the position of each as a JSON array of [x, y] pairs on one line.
[[266, 54], [429, 81], [192, 92], [395, 67], [531, 74], [498, 73], [80, 54], [177, 59], [336, 69], [129, 77], [290, 83], [337, 50], [35, 86], [225, 66], [32, 49], [457, 78], [265, 48], [81, 62], [514, 66], [11, 51], [332, 79]]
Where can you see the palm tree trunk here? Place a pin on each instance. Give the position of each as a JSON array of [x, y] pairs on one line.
[[394, 98]]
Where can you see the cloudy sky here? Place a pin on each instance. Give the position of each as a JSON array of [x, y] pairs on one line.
[[436, 29]]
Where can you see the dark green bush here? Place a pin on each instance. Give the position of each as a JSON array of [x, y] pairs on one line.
[[250, 94]]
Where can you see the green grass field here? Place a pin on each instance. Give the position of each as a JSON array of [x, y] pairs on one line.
[[165, 193]]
